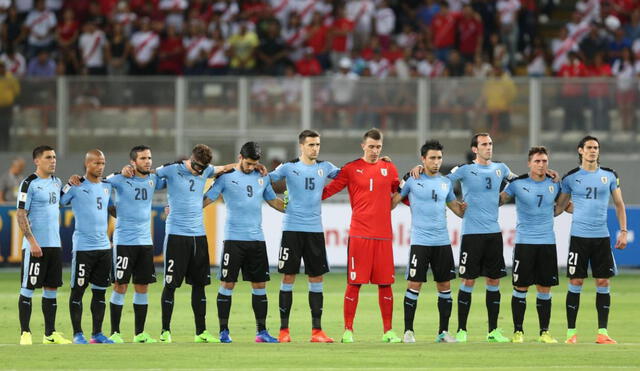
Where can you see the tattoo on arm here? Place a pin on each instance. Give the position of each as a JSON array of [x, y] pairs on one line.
[[23, 223]]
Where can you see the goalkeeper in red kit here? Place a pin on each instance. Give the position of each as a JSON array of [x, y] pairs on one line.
[[371, 184]]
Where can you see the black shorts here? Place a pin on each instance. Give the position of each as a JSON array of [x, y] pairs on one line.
[[134, 260], [90, 267], [594, 252], [250, 256], [45, 271], [309, 246], [481, 255], [186, 258], [535, 265], [440, 258]]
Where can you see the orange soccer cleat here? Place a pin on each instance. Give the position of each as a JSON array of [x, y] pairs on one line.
[[605, 339], [572, 340], [318, 336], [284, 336]]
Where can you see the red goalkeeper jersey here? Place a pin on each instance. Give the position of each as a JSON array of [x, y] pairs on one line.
[[370, 189]]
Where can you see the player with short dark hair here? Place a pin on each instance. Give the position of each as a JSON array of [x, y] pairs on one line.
[[371, 184], [535, 260], [302, 233], [243, 190], [429, 196], [589, 187], [91, 260], [38, 217]]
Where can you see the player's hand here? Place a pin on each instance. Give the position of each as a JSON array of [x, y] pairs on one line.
[[621, 242], [416, 171], [569, 207], [75, 180], [262, 169], [128, 171], [36, 251], [555, 176], [385, 158], [167, 210], [463, 207]]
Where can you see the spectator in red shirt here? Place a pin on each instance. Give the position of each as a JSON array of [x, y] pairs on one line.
[[308, 65], [599, 92], [394, 52], [67, 33], [573, 93], [339, 36], [171, 53], [317, 38], [470, 33], [443, 33]]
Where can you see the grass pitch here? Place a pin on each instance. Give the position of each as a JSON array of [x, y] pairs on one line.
[[367, 353]]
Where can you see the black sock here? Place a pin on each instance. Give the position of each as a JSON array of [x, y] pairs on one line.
[[315, 304], [224, 308], [285, 300], [140, 314], [115, 313], [75, 308], [260, 304], [24, 312], [166, 302], [518, 308], [464, 305], [544, 313], [410, 304], [98, 307], [573, 304], [199, 306], [603, 301], [49, 307], [493, 308], [444, 309]]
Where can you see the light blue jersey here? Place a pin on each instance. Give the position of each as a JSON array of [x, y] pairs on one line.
[[481, 191], [90, 203], [428, 196], [304, 185], [590, 192], [535, 206], [40, 197], [243, 195], [184, 192], [133, 208]]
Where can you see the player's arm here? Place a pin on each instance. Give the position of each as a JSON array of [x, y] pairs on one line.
[[621, 214], [277, 203], [505, 198], [214, 192], [75, 180], [457, 207], [269, 195], [24, 203], [397, 198], [112, 211], [336, 185], [562, 203]]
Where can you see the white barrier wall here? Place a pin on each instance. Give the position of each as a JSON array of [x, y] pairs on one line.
[[336, 219]]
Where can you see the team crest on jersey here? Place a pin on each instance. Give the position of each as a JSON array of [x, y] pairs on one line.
[[33, 280], [261, 181], [280, 264], [604, 180], [383, 172], [81, 281], [119, 274], [168, 278], [151, 183], [499, 172], [551, 189], [106, 191], [320, 172], [572, 270]]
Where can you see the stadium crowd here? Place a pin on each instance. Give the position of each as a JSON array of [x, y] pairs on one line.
[[378, 38]]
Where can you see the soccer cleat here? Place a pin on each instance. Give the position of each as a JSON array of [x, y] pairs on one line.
[[264, 337], [409, 337], [572, 337], [206, 337], [347, 337], [391, 337], [79, 338], [25, 338], [116, 338], [143, 337], [445, 337], [284, 336], [224, 337], [546, 338], [99, 338], [496, 336], [518, 337], [605, 339], [165, 336], [55, 338], [318, 336], [461, 336]]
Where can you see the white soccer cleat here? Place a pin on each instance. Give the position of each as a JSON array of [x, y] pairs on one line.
[[409, 337]]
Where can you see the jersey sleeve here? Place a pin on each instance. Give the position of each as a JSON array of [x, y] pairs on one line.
[[615, 183], [510, 190], [268, 194], [332, 170], [216, 189], [114, 179], [337, 185], [406, 187], [24, 196], [164, 171], [66, 194], [396, 182], [278, 173], [161, 183], [506, 172], [450, 196], [566, 185], [457, 173], [210, 171]]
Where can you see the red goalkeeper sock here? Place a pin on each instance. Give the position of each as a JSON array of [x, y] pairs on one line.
[[385, 299], [350, 305]]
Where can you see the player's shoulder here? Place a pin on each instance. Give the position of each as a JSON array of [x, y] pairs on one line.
[[521, 177], [27, 181], [461, 167], [170, 164], [571, 172], [609, 170], [225, 174]]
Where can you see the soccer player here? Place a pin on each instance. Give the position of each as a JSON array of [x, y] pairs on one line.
[[430, 244], [39, 220], [132, 240], [535, 261], [243, 190], [590, 187], [91, 262], [302, 233], [371, 184]]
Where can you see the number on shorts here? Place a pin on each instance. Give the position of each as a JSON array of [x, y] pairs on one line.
[[81, 270], [463, 258], [573, 258], [170, 265], [284, 253], [516, 264], [414, 260], [225, 259], [122, 262], [34, 269]]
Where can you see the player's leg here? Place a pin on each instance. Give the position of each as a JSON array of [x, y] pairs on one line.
[[285, 301], [603, 268], [316, 265], [443, 268], [80, 272], [468, 270], [289, 265], [198, 276], [176, 257], [256, 270], [416, 274], [232, 257], [494, 269], [143, 275], [577, 264], [524, 259], [122, 266], [29, 277], [359, 267], [383, 274], [546, 277], [99, 279], [52, 280]]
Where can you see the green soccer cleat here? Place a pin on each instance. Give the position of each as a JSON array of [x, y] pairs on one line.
[[518, 337], [546, 338], [55, 338], [143, 337], [165, 337], [25, 338], [116, 338], [391, 337], [461, 336], [347, 337], [496, 336], [206, 337]]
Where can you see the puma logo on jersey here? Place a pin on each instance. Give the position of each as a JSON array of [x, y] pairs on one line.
[[360, 171], [578, 181], [420, 184], [234, 182], [295, 172], [474, 173], [525, 189]]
